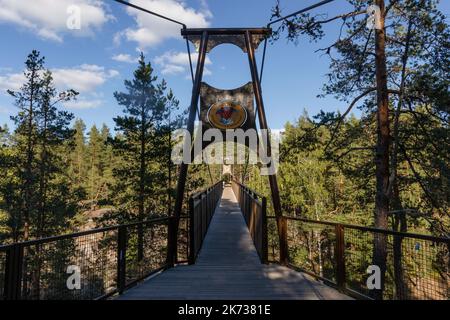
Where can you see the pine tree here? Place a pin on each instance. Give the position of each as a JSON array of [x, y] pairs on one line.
[[139, 178], [53, 131], [41, 131], [146, 108], [9, 212], [94, 169], [78, 160], [27, 100], [107, 164], [101, 163]]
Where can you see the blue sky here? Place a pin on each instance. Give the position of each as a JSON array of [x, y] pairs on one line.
[[97, 58]]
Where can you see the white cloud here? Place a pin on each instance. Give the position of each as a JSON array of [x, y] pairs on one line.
[[11, 81], [173, 62], [83, 103], [85, 79], [151, 30], [48, 18], [124, 58], [172, 69], [179, 58]]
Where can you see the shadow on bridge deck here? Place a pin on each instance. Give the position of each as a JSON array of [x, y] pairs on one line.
[[228, 267]]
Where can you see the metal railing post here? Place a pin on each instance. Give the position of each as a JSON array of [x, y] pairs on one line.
[[265, 248], [204, 215], [171, 242], [283, 241], [121, 258], [13, 272], [192, 252], [340, 256]]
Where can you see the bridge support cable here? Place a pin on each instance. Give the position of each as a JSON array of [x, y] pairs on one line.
[[184, 26], [263, 60], [319, 4], [126, 3], [190, 60]]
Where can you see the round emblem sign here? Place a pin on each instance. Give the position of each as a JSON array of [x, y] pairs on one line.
[[227, 115]]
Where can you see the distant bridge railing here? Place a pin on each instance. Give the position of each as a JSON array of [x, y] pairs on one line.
[[417, 266], [254, 208], [201, 210]]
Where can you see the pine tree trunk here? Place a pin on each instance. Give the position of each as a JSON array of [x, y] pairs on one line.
[[41, 215], [28, 182], [382, 153], [29, 163], [401, 287], [142, 170]]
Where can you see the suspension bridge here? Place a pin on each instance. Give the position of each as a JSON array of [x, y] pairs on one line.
[[223, 243]]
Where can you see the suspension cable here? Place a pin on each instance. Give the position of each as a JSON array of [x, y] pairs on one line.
[[263, 61], [190, 59], [321, 3], [150, 12], [126, 3], [284, 18]]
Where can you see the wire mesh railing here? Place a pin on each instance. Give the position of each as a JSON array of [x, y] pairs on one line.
[[417, 266], [92, 264], [254, 208], [183, 240], [3, 257]]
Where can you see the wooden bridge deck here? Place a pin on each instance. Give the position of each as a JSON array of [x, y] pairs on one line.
[[228, 267]]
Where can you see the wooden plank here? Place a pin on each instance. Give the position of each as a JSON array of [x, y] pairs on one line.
[[228, 267]]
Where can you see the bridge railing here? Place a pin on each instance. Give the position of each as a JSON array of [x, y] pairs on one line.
[[91, 264], [201, 210], [254, 208], [417, 266]]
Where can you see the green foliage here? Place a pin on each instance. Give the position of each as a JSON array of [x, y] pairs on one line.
[[142, 187], [34, 184], [339, 185]]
